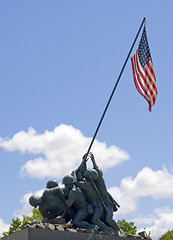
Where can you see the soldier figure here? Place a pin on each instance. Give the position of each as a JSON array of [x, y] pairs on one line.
[[76, 199], [92, 197], [52, 203], [100, 184]]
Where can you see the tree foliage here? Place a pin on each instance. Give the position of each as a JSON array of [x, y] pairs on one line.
[[18, 224], [167, 236], [127, 227], [36, 215]]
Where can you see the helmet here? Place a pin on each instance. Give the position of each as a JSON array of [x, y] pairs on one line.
[[34, 200], [68, 179], [91, 173], [51, 184]]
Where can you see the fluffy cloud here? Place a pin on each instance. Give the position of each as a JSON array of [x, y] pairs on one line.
[[157, 184], [59, 151], [127, 202], [159, 222], [3, 227], [147, 183]]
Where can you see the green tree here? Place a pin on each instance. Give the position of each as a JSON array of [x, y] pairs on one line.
[[167, 236], [36, 215], [18, 224], [127, 227]]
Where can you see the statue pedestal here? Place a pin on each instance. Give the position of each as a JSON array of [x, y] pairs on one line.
[[47, 234]]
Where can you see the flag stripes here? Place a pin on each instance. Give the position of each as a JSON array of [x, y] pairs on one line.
[[143, 73]]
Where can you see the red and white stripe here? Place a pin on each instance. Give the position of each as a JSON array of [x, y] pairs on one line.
[[144, 79]]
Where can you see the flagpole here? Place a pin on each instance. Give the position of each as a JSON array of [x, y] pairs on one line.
[[110, 98]]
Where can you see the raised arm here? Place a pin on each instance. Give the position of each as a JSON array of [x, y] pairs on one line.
[[93, 161], [82, 167]]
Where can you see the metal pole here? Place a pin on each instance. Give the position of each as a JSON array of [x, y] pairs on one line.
[[114, 88]]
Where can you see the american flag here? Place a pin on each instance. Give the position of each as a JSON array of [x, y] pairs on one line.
[[143, 72]]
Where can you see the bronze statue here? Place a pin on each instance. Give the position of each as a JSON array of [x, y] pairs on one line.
[[84, 200]]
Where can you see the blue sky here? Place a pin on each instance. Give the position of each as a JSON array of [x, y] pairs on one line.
[[59, 63]]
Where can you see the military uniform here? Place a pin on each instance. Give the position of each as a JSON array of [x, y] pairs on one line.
[[77, 201], [100, 184], [92, 198]]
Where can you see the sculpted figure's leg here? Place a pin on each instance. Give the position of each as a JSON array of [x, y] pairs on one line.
[[96, 219], [78, 219], [70, 213], [109, 218]]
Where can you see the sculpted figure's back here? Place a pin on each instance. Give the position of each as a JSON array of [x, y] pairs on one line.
[[52, 203]]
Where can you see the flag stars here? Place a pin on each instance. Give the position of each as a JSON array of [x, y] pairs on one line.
[[143, 50]]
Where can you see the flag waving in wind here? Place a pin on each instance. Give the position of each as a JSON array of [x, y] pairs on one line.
[[143, 72]]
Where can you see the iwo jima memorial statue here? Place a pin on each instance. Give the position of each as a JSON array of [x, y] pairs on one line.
[[83, 208]]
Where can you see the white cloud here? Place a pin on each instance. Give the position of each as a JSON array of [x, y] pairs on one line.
[[59, 151], [159, 222], [157, 184], [3, 227], [147, 183], [127, 202]]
